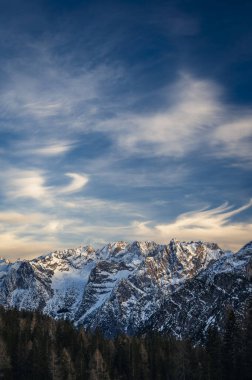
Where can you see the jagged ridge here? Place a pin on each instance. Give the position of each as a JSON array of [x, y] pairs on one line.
[[125, 287]]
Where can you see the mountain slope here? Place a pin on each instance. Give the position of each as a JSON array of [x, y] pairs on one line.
[[125, 287], [202, 301]]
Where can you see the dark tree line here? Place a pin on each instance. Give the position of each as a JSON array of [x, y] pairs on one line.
[[34, 346]]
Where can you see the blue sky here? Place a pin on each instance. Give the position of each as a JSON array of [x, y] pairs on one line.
[[124, 120]]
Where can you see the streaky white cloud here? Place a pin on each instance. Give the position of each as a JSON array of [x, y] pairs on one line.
[[41, 90], [40, 226], [48, 149], [25, 234], [234, 138], [37, 150], [19, 183], [93, 207], [43, 108], [60, 102], [26, 184], [13, 218], [53, 93], [193, 110], [78, 182], [215, 225], [206, 219], [194, 117], [30, 235]]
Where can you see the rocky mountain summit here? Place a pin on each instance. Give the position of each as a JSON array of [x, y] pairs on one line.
[[181, 288]]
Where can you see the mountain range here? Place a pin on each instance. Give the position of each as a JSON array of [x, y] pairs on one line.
[[181, 288]]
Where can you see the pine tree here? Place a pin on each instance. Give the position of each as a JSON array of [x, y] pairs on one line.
[[230, 347], [213, 348], [247, 344]]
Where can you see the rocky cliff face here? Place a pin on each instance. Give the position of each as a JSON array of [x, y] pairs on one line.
[[202, 301], [124, 287]]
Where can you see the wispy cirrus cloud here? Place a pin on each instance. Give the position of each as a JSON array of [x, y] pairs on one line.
[[193, 115], [46, 149], [46, 234], [44, 92], [78, 182], [22, 234], [25, 184], [234, 138], [65, 223], [19, 183], [12, 217], [208, 225], [193, 109], [62, 103], [99, 164]]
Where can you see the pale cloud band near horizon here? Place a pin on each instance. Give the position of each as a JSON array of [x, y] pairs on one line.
[[212, 225]]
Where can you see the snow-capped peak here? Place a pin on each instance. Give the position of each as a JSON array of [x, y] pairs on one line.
[[122, 286]]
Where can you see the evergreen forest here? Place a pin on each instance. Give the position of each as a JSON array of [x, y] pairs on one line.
[[34, 346]]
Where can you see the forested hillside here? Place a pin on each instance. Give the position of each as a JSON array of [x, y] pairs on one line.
[[34, 346]]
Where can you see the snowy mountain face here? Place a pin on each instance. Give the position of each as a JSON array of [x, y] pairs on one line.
[[202, 301], [181, 288]]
